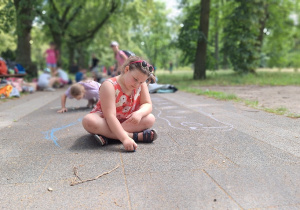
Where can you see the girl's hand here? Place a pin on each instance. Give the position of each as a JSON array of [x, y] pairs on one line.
[[62, 110], [134, 118], [129, 144]]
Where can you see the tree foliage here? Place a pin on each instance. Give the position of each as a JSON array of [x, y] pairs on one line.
[[281, 35], [7, 28], [153, 34], [189, 33], [251, 34], [141, 27], [241, 34], [25, 14], [66, 22], [7, 16]]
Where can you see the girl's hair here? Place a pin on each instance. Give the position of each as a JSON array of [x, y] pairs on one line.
[[76, 89], [138, 65]]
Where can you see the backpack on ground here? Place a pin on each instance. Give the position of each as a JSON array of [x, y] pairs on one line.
[[3, 68], [19, 69]]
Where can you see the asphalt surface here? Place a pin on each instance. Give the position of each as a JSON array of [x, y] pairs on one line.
[[210, 154]]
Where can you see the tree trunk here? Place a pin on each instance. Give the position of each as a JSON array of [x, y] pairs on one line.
[[72, 60], [81, 57], [262, 25], [200, 60], [57, 39], [24, 16], [217, 37]]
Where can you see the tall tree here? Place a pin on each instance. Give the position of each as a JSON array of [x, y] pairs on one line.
[[67, 21], [7, 29], [216, 34], [200, 59], [152, 33], [241, 34], [58, 17], [280, 34], [189, 33], [25, 15]]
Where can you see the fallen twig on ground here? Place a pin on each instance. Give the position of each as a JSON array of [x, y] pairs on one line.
[[74, 182]]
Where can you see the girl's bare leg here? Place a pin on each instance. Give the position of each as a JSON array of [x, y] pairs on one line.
[[145, 123], [52, 71], [95, 124], [53, 80]]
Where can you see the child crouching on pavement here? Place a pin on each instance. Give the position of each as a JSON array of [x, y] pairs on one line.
[[124, 109], [87, 89]]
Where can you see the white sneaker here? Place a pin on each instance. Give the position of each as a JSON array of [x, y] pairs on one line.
[[50, 89]]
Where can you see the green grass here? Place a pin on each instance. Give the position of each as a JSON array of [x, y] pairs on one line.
[[183, 80], [281, 111], [213, 94], [229, 78]]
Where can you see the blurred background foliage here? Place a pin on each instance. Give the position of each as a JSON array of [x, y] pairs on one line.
[[243, 35]]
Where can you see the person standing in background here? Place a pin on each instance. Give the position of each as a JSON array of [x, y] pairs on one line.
[[171, 67], [95, 62], [52, 56], [120, 57], [96, 74]]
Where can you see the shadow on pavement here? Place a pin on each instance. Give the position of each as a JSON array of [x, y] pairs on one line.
[[76, 109], [88, 142]]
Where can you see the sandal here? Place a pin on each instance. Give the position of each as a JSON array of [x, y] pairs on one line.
[[104, 140], [101, 139], [146, 136]]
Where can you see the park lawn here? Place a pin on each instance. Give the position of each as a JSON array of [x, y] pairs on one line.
[[183, 80]]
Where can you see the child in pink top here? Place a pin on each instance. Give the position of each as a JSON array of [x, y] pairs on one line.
[[51, 55], [124, 109]]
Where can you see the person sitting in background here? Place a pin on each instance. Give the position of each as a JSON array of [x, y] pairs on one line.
[[74, 68], [96, 74], [88, 89], [63, 75], [46, 82], [80, 75]]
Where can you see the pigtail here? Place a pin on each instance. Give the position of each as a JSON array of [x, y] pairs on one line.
[[151, 79]]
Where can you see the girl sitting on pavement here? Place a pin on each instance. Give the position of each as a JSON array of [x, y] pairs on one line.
[[123, 111], [87, 89]]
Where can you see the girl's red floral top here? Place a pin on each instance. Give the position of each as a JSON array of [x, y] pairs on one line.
[[125, 104]]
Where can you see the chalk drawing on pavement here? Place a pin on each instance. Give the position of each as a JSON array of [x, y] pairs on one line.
[[186, 125], [49, 135]]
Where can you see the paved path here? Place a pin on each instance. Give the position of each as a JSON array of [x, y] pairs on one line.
[[209, 155]]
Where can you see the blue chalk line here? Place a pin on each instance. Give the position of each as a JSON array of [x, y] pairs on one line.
[[49, 135]]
